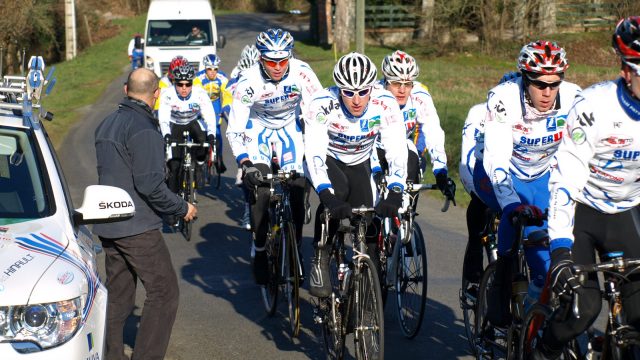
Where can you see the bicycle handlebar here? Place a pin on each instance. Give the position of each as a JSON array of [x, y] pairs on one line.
[[188, 144], [411, 187], [282, 175]]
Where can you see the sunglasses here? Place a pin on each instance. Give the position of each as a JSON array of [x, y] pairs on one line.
[[541, 85], [399, 84], [184, 84], [635, 67], [274, 63], [352, 93]]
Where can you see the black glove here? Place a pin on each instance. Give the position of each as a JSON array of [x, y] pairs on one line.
[[251, 177], [534, 215], [378, 176], [563, 280], [441, 181], [389, 206], [211, 139], [337, 208]]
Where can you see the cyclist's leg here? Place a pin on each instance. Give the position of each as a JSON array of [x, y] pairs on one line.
[[359, 195], [198, 135], [476, 220], [563, 326], [483, 187], [175, 157], [219, 143]]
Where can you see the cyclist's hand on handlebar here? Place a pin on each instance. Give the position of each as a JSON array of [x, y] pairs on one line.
[[446, 185], [251, 175], [378, 176], [388, 207], [211, 139], [532, 213], [192, 212], [337, 208], [563, 280]]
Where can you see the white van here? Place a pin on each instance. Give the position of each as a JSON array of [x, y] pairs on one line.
[[179, 27]]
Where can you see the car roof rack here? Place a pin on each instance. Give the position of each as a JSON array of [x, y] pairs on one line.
[[22, 94]]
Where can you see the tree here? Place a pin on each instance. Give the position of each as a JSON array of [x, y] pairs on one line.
[[343, 25]]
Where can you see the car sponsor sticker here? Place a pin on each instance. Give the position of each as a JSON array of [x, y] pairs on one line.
[[65, 277]]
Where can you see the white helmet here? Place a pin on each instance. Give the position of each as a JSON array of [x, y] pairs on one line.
[[275, 43], [249, 56], [400, 66], [354, 71]]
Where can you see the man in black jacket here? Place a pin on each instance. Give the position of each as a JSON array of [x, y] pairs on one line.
[[130, 154]]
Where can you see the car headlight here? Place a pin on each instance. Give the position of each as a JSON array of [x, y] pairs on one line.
[[46, 325], [148, 62]]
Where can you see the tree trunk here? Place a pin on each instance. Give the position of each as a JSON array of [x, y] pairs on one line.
[[343, 29], [547, 11], [425, 22]]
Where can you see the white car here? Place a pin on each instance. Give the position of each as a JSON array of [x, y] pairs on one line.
[[52, 302]]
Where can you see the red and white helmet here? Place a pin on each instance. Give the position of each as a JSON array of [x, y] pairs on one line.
[[177, 61], [543, 57], [400, 66], [626, 38]]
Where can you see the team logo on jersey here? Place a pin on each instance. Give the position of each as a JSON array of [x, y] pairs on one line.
[[610, 164], [245, 99], [521, 128], [551, 123], [626, 155], [374, 121], [578, 136], [321, 118], [291, 89], [337, 127], [333, 105], [617, 141], [409, 115], [606, 177], [544, 140]]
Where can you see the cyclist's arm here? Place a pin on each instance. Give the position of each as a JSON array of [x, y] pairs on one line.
[[571, 174], [429, 134], [164, 111], [310, 85], [238, 117], [498, 149], [207, 111], [226, 98], [316, 140], [391, 131], [467, 158]]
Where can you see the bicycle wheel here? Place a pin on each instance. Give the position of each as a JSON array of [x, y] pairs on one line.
[[532, 329], [468, 305], [369, 321], [485, 334], [187, 195], [411, 282], [291, 273], [270, 290], [333, 324]]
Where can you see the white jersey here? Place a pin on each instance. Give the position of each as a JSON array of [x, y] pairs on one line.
[[270, 105], [470, 131], [197, 106], [331, 130], [519, 140], [598, 163], [234, 73]]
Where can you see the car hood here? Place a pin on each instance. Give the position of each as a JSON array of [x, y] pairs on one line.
[[38, 265]]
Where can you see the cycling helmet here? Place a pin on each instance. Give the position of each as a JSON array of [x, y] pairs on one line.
[[509, 76], [211, 61], [175, 62], [249, 56], [400, 66], [354, 71], [184, 73], [275, 43], [626, 38], [543, 57]]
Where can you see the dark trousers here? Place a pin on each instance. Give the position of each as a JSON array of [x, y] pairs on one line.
[[147, 257]]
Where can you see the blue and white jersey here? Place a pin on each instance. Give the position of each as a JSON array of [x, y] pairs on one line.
[[470, 132], [598, 163], [330, 130], [181, 111], [519, 140], [271, 105]]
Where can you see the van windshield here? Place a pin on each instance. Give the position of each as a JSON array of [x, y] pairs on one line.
[[179, 33]]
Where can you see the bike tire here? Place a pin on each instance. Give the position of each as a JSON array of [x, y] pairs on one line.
[[411, 282], [269, 291], [291, 273], [468, 307], [334, 329], [532, 326], [369, 315], [187, 194], [483, 329]]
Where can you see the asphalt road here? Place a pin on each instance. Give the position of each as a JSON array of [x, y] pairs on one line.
[[221, 314]]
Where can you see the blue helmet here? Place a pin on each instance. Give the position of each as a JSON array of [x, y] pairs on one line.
[[275, 43], [211, 61]]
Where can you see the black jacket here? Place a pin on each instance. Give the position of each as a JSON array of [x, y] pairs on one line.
[[130, 152]]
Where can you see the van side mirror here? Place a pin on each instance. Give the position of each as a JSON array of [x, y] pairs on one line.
[[222, 41], [104, 204]]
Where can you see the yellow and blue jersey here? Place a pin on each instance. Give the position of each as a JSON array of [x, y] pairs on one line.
[[217, 91]]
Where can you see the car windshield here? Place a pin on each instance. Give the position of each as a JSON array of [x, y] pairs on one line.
[[179, 33], [22, 191]]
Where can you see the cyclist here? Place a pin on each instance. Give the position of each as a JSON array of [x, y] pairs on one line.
[[341, 128], [185, 107], [214, 83], [249, 56], [595, 192], [421, 120], [522, 130], [265, 111], [476, 211], [136, 51], [167, 80]]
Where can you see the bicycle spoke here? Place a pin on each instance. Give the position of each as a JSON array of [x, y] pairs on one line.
[[370, 326], [411, 285]]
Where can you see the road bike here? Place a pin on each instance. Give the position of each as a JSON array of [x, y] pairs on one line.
[[493, 341], [284, 263], [403, 264], [355, 304], [214, 164], [187, 185], [620, 340]]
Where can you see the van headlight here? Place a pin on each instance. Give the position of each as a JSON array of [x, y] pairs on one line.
[[46, 325], [148, 62]]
